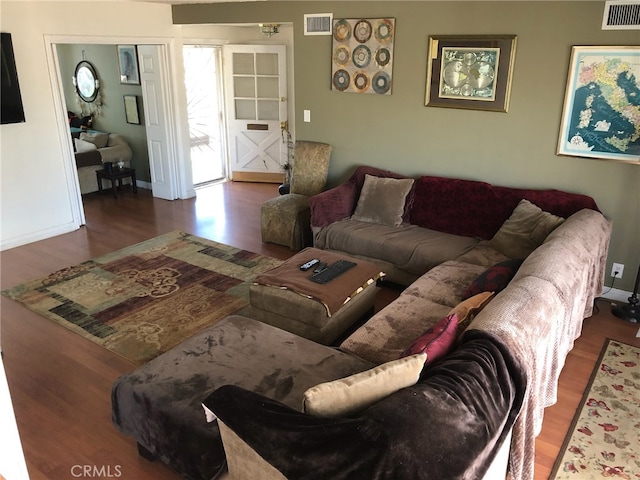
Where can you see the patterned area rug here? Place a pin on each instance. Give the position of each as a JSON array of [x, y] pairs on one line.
[[604, 439], [142, 300]]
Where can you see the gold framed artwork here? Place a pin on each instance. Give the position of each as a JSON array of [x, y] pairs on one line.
[[470, 71], [601, 113], [362, 55], [131, 109]]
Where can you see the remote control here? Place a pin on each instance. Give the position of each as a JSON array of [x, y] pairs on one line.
[[306, 266], [320, 267]]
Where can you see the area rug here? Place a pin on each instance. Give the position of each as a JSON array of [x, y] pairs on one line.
[[604, 438], [142, 300]]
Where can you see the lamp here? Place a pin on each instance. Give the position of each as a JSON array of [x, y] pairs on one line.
[[269, 29], [630, 312]]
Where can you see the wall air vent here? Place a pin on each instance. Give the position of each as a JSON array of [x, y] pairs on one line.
[[318, 23], [621, 15]]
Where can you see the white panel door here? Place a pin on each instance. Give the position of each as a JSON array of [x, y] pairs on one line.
[[151, 59], [256, 100]]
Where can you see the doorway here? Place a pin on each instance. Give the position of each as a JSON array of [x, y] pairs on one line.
[[203, 87]]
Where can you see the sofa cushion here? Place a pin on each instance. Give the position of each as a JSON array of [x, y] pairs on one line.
[[460, 207], [493, 279], [412, 249], [98, 139], [349, 395], [524, 230], [469, 308], [437, 341], [83, 146], [382, 200]]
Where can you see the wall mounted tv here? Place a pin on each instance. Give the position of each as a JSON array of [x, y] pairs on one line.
[[10, 98]]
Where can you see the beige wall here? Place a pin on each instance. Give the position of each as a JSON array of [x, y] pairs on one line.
[[399, 133], [35, 199]]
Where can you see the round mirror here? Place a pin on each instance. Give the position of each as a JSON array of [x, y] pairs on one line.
[[86, 81]]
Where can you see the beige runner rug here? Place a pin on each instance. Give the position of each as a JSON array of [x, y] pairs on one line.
[[604, 438]]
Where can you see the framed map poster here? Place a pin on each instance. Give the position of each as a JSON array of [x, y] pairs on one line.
[[601, 114], [362, 55], [470, 71]]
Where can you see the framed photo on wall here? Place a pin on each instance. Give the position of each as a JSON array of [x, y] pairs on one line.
[[601, 113], [128, 63], [470, 71], [131, 109]]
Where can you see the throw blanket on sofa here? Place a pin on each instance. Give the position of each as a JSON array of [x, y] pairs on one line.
[[449, 425], [567, 270]]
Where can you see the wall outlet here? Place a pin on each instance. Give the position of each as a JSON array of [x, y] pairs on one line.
[[617, 268]]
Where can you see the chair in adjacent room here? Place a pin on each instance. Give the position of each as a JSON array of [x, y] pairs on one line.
[[285, 220]]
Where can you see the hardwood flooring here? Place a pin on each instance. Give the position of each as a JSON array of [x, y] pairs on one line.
[[60, 383]]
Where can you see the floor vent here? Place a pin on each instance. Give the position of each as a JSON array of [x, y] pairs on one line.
[[621, 15], [318, 23]]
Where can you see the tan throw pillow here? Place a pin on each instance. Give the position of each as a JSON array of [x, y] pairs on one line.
[[382, 200], [82, 146], [469, 308], [100, 140], [524, 230], [352, 394]]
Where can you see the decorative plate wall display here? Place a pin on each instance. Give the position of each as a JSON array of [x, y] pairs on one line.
[[362, 55]]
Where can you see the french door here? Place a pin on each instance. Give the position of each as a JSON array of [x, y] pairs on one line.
[[256, 109]]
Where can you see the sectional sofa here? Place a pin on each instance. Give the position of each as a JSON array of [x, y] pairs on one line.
[[495, 304]]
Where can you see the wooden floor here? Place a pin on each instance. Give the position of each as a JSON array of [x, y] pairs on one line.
[[60, 383]]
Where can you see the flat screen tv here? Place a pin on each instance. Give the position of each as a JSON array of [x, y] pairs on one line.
[[10, 98]]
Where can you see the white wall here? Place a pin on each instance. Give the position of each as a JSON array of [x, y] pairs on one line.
[[35, 200]]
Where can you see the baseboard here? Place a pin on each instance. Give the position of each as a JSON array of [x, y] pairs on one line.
[[37, 236], [616, 295]]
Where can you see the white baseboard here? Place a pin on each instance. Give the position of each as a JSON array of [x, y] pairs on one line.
[[37, 236], [616, 294]]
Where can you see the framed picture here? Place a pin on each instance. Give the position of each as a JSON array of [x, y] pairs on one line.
[[128, 62], [601, 113], [131, 109], [362, 55], [470, 71]]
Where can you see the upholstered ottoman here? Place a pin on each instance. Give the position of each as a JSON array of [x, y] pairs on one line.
[[286, 297], [159, 404]]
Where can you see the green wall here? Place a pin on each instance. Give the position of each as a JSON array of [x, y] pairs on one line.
[[104, 59], [399, 133]]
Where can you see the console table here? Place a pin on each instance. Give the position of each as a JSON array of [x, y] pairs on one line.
[[117, 174]]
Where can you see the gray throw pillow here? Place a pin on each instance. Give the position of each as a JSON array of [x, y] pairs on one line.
[[382, 200], [524, 230]]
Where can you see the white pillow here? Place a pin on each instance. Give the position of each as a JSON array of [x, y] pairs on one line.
[[352, 394], [82, 146], [100, 140]]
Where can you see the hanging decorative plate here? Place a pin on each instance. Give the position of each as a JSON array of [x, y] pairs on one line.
[[362, 31], [341, 55], [361, 56], [341, 30], [341, 80]]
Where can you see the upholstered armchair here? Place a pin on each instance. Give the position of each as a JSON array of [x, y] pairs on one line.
[[285, 220]]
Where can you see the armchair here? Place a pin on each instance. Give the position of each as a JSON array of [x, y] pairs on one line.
[[286, 220]]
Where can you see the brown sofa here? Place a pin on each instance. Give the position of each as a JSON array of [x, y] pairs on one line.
[[468, 414]]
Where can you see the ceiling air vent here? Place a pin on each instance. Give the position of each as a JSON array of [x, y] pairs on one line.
[[621, 15], [318, 23]]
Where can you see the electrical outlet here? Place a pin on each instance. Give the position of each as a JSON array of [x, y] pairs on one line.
[[617, 269]]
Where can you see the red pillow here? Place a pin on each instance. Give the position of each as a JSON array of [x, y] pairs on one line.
[[437, 341], [493, 279]]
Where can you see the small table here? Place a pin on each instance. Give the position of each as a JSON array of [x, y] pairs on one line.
[[117, 174], [285, 297]]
